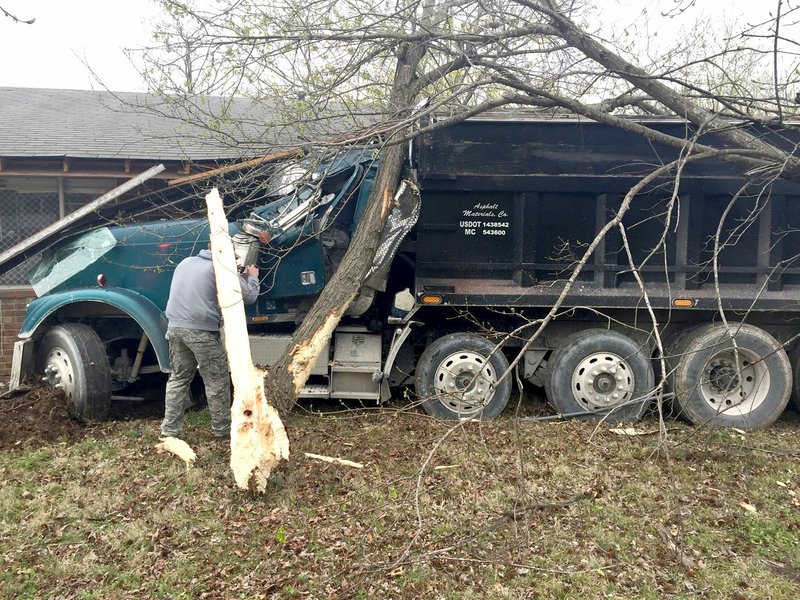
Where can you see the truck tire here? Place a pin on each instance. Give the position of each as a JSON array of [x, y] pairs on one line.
[[705, 379], [603, 372], [73, 358], [457, 376]]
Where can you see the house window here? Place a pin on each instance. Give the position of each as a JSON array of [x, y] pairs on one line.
[[29, 204]]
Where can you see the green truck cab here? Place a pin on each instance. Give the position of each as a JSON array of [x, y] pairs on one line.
[[98, 324]]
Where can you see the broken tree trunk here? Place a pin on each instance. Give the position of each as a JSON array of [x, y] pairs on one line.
[[289, 375], [258, 438]]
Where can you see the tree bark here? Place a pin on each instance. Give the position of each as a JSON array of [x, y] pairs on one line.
[[258, 438], [287, 378]]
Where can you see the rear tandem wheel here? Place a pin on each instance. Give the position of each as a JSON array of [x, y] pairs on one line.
[[717, 382], [602, 372], [459, 375]]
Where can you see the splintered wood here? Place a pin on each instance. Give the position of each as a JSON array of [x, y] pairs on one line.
[[306, 354], [179, 448], [258, 438], [333, 460]]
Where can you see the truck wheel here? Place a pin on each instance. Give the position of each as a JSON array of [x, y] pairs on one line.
[[717, 384], [458, 376], [73, 358], [600, 371]]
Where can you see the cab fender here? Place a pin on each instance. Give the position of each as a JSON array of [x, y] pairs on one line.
[[150, 318]]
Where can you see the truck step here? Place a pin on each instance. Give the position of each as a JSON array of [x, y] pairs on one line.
[[355, 368], [314, 391], [350, 395]]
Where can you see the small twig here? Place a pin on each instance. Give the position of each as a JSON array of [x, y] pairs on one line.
[[333, 460], [775, 56], [418, 491], [15, 392], [514, 513], [675, 548], [17, 405]]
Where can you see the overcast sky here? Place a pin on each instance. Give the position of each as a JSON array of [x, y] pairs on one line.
[[50, 53]]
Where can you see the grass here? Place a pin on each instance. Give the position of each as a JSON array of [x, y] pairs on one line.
[[506, 509]]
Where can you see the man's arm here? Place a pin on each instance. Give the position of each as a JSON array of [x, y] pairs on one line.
[[250, 285]]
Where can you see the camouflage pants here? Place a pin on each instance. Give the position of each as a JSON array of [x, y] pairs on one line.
[[190, 349]]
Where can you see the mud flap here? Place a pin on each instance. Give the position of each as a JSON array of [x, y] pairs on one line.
[[21, 363]]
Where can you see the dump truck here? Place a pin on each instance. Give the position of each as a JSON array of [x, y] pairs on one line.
[[511, 261]]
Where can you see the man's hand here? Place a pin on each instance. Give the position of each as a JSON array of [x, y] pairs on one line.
[[251, 270]]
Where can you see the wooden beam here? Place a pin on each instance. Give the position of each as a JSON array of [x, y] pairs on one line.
[[88, 167], [65, 165], [2, 164], [38, 241], [75, 173], [268, 158], [186, 167]]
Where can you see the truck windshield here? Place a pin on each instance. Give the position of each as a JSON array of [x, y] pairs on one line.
[[62, 261]]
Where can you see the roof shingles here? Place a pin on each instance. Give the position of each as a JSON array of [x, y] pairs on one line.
[[91, 124]]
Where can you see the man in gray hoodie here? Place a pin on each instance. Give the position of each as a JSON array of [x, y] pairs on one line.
[[194, 342]]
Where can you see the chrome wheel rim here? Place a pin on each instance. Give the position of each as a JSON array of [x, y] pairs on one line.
[[465, 382], [603, 380], [60, 372], [735, 382]]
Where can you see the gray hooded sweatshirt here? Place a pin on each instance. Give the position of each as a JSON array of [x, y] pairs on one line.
[[192, 300]]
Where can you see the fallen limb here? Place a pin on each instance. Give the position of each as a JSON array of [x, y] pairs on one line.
[[336, 461], [258, 438], [517, 512], [179, 448]]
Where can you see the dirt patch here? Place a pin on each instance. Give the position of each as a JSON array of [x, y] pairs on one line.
[[38, 415]]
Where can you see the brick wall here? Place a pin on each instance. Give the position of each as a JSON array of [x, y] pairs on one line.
[[12, 308]]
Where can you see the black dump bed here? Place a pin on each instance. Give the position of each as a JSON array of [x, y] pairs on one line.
[[510, 206]]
